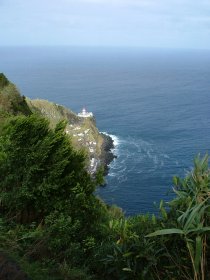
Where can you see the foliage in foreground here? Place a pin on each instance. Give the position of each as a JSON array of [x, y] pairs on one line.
[[55, 227]]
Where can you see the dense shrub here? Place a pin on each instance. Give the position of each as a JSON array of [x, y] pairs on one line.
[[41, 172], [54, 224]]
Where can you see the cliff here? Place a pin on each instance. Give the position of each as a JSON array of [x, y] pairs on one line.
[[82, 131]]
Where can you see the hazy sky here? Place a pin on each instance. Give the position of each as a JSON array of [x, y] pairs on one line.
[[144, 23]]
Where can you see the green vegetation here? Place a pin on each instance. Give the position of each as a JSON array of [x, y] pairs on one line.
[[54, 227], [11, 102], [46, 196], [40, 169], [3, 81]]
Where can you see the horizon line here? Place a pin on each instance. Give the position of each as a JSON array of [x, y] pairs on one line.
[[105, 47]]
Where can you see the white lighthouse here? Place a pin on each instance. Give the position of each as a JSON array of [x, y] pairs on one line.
[[85, 114]]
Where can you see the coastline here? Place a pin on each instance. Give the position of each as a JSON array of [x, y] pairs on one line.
[[107, 154]]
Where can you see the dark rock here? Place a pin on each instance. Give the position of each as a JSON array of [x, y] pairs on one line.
[[107, 155]]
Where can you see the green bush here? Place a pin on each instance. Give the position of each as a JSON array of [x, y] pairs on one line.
[[41, 172], [51, 220]]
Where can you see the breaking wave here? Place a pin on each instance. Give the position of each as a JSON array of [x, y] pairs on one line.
[[139, 170], [116, 142], [134, 156]]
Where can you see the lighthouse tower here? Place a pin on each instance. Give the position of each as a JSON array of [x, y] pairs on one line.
[[85, 114]]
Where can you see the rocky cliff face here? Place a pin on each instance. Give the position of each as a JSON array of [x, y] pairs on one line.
[[82, 131], [107, 154]]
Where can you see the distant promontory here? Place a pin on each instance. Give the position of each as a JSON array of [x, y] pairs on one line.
[[81, 128]]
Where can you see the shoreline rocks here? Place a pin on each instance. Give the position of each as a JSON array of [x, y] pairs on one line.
[[107, 155]]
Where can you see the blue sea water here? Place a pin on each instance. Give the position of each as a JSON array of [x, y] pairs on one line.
[[156, 103]]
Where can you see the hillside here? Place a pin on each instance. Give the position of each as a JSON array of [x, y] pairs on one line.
[[82, 131], [11, 102]]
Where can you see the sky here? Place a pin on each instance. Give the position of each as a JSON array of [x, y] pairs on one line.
[[115, 23]]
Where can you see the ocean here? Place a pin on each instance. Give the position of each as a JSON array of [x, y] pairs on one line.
[[155, 103]]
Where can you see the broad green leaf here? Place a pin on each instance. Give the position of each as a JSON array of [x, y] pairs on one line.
[[161, 204], [196, 211], [198, 252], [205, 229], [164, 213], [175, 180], [154, 219], [181, 194], [165, 232], [191, 249]]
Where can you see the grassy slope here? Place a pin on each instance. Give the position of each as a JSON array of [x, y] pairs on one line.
[[82, 131], [11, 102]]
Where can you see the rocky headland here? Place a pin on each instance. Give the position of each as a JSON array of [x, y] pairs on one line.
[[107, 155], [81, 129], [83, 132]]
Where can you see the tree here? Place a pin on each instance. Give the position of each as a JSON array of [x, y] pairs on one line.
[[40, 172]]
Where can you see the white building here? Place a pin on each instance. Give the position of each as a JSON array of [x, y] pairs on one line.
[[85, 114]]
